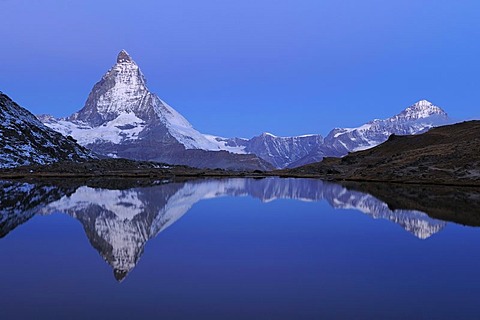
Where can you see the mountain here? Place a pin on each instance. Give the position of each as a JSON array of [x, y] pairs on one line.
[[119, 222], [415, 119], [25, 140], [296, 151], [443, 155], [122, 118], [279, 151]]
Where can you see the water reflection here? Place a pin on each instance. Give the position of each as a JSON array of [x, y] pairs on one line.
[[119, 222]]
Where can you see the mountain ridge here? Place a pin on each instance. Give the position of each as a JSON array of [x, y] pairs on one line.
[[123, 118]]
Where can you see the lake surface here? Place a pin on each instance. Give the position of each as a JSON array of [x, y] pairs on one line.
[[233, 249]]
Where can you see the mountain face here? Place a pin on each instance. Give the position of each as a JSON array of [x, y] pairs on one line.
[[122, 118], [279, 151], [24, 140], [119, 223]]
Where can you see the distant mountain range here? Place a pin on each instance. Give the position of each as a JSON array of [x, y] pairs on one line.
[[444, 155], [119, 223], [122, 118]]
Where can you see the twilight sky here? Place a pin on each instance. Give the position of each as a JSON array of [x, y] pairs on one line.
[[238, 68]]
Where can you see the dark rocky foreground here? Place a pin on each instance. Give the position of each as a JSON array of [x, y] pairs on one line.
[[116, 169], [448, 155]]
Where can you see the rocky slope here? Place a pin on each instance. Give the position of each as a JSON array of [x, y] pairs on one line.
[[122, 118], [25, 140], [444, 155]]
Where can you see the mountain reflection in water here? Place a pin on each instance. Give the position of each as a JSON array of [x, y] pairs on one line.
[[119, 222]]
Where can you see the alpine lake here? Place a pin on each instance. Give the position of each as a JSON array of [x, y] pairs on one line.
[[271, 248]]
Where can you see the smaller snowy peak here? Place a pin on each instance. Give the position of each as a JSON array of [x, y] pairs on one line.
[[272, 136], [421, 109], [268, 134], [123, 57]]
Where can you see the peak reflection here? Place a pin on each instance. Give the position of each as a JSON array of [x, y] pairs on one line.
[[119, 223]]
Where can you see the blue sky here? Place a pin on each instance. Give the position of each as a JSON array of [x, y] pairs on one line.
[[238, 68]]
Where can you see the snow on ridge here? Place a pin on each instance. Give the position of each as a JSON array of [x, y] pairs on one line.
[[125, 204], [268, 134], [183, 131], [222, 144], [127, 126]]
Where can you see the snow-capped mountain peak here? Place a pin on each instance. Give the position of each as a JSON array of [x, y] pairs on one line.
[[417, 118], [420, 110], [120, 95], [122, 89], [123, 118]]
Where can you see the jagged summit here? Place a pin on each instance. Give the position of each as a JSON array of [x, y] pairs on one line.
[[423, 102], [123, 108], [123, 56], [121, 91], [123, 118], [422, 109]]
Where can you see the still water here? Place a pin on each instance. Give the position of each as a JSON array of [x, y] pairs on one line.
[[236, 249]]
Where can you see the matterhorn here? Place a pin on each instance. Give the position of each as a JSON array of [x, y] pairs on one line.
[[123, 118]]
